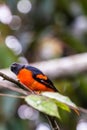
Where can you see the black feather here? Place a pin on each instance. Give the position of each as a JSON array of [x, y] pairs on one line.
[[46, 82]]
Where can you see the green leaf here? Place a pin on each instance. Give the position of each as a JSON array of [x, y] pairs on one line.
[[62, 105], [43, 104], [60, 98]]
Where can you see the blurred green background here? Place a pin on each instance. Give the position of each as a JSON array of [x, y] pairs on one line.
[[37, 30]]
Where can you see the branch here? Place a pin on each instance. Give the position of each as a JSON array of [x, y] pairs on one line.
[[67, 66], [23, 90], [9, 86], [63, 67]]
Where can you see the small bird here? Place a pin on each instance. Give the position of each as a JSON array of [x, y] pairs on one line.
[[37, 81], [33, 78]]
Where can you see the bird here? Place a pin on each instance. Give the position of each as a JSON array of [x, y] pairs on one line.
[[33, 78], [37, 81]]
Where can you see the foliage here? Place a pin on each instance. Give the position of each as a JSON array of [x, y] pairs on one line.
[[49, 102]]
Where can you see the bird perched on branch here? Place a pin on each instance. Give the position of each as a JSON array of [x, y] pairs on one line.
[[37, 81], [33, 78]]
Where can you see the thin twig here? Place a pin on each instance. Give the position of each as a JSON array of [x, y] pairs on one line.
[[7, 85], [13, 96], [19, 84], [53, 123], [83, 110]]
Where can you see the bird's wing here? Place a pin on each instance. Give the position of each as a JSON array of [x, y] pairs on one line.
[[40, 77]]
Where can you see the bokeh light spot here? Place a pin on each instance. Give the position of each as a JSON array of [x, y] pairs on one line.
[[24, 6], [43, 126], [15, 22], [5, 14], [23, 60], [13, 43], [82, 125], [26, 112]]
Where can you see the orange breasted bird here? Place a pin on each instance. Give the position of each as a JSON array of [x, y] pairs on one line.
[[33, 78]]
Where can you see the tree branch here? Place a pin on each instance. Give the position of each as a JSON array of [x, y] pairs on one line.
[[23, 90], [63, 67], [11, 87], [17, 82], [67, 66]]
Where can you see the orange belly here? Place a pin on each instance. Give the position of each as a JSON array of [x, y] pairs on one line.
[[36, 86], [25, 76]]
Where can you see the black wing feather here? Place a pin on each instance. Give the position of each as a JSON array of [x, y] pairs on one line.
[[46, 82]]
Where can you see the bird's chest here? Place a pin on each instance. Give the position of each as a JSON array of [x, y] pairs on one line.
[[25, 76]]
